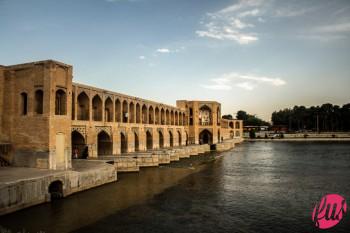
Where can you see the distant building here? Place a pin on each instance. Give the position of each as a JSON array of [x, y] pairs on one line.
[[46, 119]]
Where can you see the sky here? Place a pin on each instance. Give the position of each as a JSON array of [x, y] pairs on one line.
[[253, 55]]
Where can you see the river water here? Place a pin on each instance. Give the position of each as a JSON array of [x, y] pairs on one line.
[[256, 187]]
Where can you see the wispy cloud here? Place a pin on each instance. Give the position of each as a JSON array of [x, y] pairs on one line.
[[142, 57], [231, 22], [244, 81], [163, 50]]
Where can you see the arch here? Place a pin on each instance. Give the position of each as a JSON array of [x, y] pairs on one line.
[[171, 139], [161, 139], [172, 117], [205, 137], [79, 148], [230, 124], [108, 110], [104, 144], [179, 138], [97, 108], [83, 107], [73, 106], [162, 116], [184, 122], [176, 118], [180, 118], [167, 116], [123, 143], [149, 141], [56, 190], [186, 137], [144, 114], [118, 111], [60, 102], [157, 117], [237, 126], [125, 112], [39, 102], [150, 115], [205, 115], [218, 115], [136, 142], [238, 134], [138, 114], [24, 103], [232, 134], [132, 112]]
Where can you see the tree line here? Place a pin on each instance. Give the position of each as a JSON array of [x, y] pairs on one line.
[[326, 117], [248, 119]]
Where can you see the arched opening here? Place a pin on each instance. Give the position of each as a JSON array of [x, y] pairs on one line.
[[104, 144], [179, 138], [144, 114], [205, 115], [132, 112], [171, 139], [39, 102], [205, 137], [180, 119], [186, 138], [137, 142], [161, 139], [97, 108], [108, 110], [125, 112], [157, 122], [73, 106], [231, 124], [238, 134], [167, 117], [83, 107], [218, 116], [138, 114], [123, 143], [79, 148], [56, 190], [150, 115], [118, 111], [149, 141], [237, 125], [176, 118], [24, 103], [60, 103], [232, 134], [172, 117], [184, 122], [162, 117]]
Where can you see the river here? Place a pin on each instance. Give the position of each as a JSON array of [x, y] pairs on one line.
[[256, 187]]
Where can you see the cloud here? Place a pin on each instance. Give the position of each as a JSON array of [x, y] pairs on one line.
[[244, 81], [163, 50], [142, 57], [334, 28], [231, 23], [219, 84]]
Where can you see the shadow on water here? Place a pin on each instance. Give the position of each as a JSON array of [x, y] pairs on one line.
[[89, 206]]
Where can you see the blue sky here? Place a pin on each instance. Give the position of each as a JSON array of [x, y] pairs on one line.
[[255, 55]]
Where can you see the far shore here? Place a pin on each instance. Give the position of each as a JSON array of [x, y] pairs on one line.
[[297, 139]]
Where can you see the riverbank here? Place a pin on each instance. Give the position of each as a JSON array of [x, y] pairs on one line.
[[24, 187], [297, 140]]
